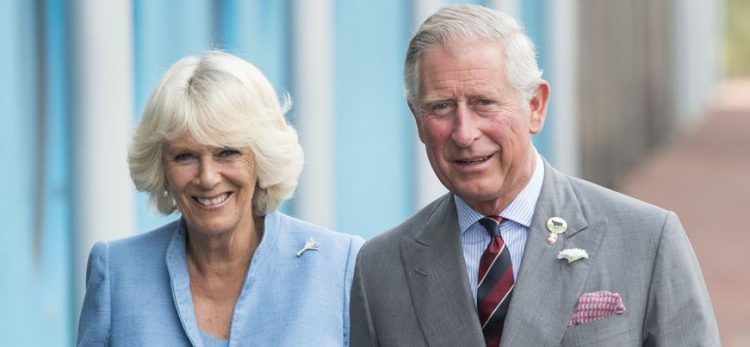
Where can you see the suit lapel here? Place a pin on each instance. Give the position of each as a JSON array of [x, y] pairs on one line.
[[437, 279], [547, 288]]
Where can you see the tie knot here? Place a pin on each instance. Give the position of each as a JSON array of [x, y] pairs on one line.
[[491, 223]]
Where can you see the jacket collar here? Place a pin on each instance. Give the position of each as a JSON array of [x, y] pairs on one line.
[[176, 259], [547, 288], [438, 283]]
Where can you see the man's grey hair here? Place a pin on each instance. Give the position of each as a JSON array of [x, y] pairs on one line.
[[475, 23]]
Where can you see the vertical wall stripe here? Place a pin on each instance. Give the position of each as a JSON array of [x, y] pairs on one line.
[[58, 249], [421, 9], [314, 110], [40, 149], [18, 132], [511, 7], [59, 313], [103, 114], [373, 129], [697, 30], [564, 96], [428, 186], [54, 296], [259, 32], [535, 19], [457, 2], [165, 31], [34, 241]]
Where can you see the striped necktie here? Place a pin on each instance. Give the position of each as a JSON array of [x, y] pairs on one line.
[[495, 283]]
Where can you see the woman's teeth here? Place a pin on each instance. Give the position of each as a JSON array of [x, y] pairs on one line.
[[212, 201]]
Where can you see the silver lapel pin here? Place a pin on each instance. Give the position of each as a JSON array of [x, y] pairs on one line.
[[310, 244], [556, 226]]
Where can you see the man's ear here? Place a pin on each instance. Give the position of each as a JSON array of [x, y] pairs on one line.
[[538, 107], [417, 120]]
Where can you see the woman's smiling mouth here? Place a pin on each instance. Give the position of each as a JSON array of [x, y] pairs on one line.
[[212, 202]]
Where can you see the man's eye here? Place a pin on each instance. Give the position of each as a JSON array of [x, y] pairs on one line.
[[485, 105], [440, 108], [484, 102]]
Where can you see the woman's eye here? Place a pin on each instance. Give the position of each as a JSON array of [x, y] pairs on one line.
[[183, 158], [229, 153]]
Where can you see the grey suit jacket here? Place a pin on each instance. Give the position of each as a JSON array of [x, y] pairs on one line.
[[411, 288]]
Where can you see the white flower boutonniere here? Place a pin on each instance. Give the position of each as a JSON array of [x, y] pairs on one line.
[[573, 254]]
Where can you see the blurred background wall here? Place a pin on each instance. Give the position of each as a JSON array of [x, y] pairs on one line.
[[75, 74]]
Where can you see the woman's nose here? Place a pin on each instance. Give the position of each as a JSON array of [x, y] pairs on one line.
[[208, 174]]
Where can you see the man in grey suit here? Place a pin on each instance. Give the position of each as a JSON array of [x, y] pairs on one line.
[[517, 254]]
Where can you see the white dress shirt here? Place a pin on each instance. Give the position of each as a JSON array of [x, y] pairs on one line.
[[514, 230]]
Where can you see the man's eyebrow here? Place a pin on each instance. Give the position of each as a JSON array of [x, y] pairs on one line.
[[434, 99]]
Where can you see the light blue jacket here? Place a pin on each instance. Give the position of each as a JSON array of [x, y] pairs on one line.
[[138, 290]]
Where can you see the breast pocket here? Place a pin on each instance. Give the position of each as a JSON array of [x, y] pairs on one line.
[[612, 331]]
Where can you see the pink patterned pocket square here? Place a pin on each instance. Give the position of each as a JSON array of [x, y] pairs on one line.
[[596, 306]]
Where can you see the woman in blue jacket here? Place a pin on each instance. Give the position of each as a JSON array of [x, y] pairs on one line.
[[214, 147]]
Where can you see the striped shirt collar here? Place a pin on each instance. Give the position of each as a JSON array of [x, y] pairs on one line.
[[520, 210]]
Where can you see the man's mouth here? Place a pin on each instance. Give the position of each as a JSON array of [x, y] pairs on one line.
[[474, 161]]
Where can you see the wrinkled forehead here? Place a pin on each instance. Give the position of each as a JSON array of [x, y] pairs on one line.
[[462, 48], [463, 63]]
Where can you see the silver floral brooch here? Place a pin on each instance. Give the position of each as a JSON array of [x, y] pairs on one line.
[[310, 244]]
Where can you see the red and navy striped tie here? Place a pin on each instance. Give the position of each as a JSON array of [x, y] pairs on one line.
[[495, 283]]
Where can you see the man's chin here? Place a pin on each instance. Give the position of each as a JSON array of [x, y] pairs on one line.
[[477, 198]]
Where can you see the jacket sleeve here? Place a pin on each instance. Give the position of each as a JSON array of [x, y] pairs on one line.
[[679, 309], [94, 324], [354, 245], [362, 329]]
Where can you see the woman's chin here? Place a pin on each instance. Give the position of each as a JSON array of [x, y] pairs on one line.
[[209, 228]]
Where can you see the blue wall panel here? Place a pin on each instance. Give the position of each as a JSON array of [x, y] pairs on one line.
[[374, 131], [165, 31], [259, 32], [17, 146], [57, 249], [456, 2], [535, 18], [35, 236]]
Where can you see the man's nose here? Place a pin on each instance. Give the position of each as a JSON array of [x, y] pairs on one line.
[[465, 126]]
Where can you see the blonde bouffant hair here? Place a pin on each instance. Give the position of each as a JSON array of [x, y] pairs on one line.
[[217, 100]]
